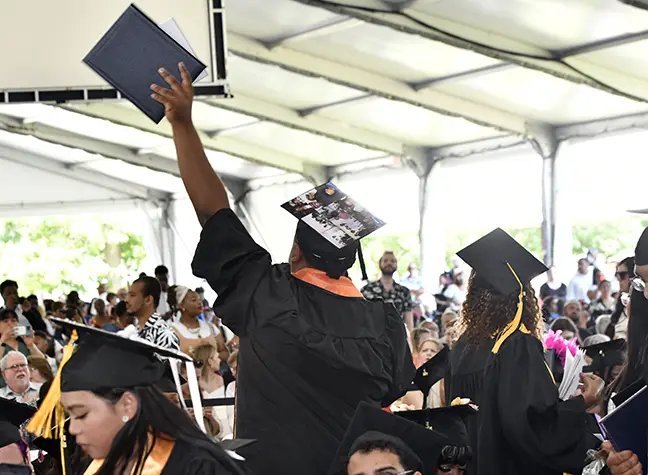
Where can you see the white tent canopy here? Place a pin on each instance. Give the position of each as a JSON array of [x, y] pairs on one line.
[[321, 89]]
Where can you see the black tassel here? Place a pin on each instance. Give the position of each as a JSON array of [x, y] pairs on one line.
[[361, 260]]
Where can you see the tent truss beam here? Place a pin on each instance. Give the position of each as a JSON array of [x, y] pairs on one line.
[[493, 45], [376, 84]]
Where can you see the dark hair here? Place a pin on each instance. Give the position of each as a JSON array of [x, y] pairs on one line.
[[41, 334], [200, 290], [619, 308], [21, 300], [150, 288], [6, 284], [120, 308], [110, 296], [486, 312], [637, 343], [47, 303], [6, 313], [161, 270], [32, 297], [389, 445], [172, 302], [455, 455], [161, 417]]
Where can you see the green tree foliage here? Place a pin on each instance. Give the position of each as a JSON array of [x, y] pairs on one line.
[[56, 255]]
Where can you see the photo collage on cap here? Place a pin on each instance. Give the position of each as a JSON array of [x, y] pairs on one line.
[[333, 214]]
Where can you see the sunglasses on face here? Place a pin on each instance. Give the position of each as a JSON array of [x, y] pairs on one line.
[[622, 275]]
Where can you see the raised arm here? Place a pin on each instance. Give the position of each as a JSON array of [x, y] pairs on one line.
[[205, 188]]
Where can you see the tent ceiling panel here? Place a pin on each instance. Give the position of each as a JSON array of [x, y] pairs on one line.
[[543, 97], [415, 125], [57, 188], [312, 147], [213, 119], [50, 40], [629, 58], [550, 24], [274, 84], [136, 174], [273, 20], [379, 49]]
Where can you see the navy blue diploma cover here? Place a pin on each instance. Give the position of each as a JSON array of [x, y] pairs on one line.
[[129, 55]]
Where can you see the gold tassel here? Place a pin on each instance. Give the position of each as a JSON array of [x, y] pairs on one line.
[[513, 325], [41, 423]]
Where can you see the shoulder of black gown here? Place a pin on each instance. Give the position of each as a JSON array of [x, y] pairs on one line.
[[523, 398], [233, 264], [189, 459]]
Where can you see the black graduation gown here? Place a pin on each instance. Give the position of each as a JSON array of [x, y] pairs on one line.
[[185, 459], [307, 357], [466, 380], [524, 427]]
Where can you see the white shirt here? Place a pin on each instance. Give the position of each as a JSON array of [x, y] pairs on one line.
[[579, 286], [204, 330], [163, 307], [30, 395], [224, 415]]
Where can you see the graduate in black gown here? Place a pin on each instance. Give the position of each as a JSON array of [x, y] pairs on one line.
[[120, 419], [311, 347], [522, 426]]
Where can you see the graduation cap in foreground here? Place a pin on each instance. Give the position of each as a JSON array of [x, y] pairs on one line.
[[129, 55], [330, 227], [100, 360], [431, 372], [450, 421], [167, 383], [605, 355], [500, 263], [422, 446], [12, 415], [236, 444]]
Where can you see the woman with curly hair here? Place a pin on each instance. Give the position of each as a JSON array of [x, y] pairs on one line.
[[498, 363]]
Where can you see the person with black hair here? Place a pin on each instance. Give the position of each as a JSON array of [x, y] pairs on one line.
[[142, 301], [311, 348], [121, 420], [9, 293], [162, 275]]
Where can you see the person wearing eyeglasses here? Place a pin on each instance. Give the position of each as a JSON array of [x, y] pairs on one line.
[[15, 371]]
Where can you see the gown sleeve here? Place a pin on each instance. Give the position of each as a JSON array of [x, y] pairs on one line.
[[233, 264], [538, 426], [403, 369]]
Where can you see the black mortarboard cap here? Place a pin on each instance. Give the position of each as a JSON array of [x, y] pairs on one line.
[[107, 360], [490, 257], [641, 250], [605, 355], [330, 227], [167, 383], [450, 421], [373, 423], [428, 374], [12, 415]]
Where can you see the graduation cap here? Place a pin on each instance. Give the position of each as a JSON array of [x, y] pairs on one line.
[[236, 444], [12, 415], [431, 372], [330, 227], [605, 355], [100, 360], [167, 383], [501, 263], [421, 446], [450, 421]]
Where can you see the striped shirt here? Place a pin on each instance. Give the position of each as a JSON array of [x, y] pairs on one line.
[[159, 332]]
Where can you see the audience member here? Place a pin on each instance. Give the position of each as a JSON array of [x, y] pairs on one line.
[[388, 290], [553, 287], [574, 311], [40, 371], [15, 371], [581, 283], [162, 275], [605, 302], [9, 292]]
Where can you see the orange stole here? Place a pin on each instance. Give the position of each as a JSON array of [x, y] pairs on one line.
[[342, 286], [154, 464]]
